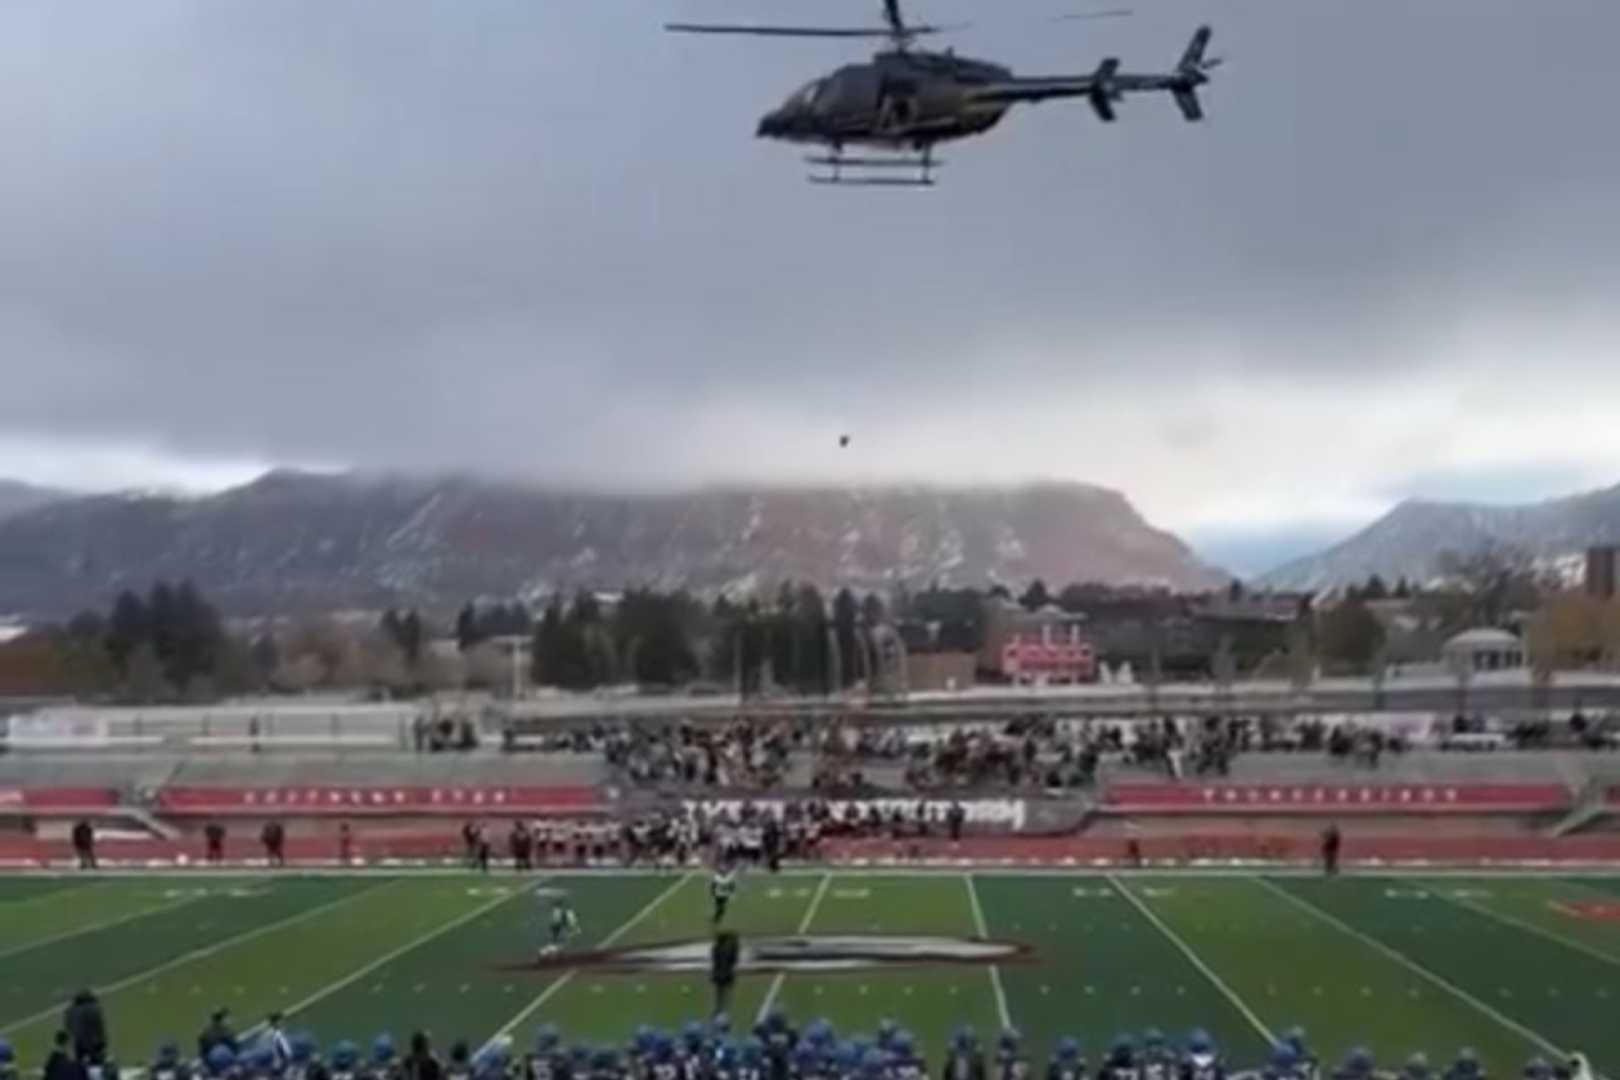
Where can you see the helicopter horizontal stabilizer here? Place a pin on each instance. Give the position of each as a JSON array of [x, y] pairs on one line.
[[1187, 102]]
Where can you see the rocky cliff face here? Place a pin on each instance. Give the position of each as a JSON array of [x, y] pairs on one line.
[[293, 541]]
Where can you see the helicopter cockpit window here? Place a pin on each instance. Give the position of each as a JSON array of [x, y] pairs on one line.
[[806, 97]]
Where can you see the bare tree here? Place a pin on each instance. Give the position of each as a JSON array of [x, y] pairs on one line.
[[298, 674], [1301, 659], [1497, 579]]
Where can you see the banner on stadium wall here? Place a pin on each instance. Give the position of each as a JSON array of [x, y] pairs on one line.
[[372, 799], [1294, 798], [17, 799], [1001, 813], [68, 726]]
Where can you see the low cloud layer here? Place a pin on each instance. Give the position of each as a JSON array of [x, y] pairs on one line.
[[540, 239]]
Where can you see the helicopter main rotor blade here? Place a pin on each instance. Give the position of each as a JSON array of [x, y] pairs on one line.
[[891, 14], [1079, 16], [798, 31]]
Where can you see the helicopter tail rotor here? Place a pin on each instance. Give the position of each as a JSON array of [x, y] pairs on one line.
[[1103, 91], [1192, 72]]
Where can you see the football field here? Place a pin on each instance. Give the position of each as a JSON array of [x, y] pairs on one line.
[[1513, 965]]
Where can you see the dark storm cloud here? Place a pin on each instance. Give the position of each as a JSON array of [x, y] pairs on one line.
[[539, 236]]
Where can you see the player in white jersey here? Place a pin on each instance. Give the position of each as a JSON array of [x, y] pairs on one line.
[[564, 923], [721, 889]]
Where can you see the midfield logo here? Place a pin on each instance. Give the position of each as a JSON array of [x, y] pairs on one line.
[[819, 953]]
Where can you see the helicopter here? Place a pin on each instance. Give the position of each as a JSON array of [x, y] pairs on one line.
[[906, 101]]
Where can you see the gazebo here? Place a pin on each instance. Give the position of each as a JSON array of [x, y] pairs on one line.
[[1483, 649]]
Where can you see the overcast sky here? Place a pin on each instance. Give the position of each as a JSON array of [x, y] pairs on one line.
[[538, 236]]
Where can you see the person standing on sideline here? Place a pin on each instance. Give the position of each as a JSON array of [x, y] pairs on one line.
[[1331, 841], [60, 1065], [214, 838], [274, 838], [87, 1027], [723, 968], [84, 844]]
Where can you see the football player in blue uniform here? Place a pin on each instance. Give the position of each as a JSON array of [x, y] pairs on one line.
[[1157, 1061], [1306, 1064], [1357, 1065], [695, 1058], [905, 1063], [543, 1061], [220, 1062], [1283, 1063], [963, 1060], [1201, 1060], [166, 1063], [1466, 1067], [846, 1062], [807, 1062], [1121, 1062], [1066, 1063], [1011, 1062], [345, 1060]]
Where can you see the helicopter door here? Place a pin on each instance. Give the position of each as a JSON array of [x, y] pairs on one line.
[[897, 105]]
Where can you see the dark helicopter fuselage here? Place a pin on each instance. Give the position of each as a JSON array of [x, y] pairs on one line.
[[897, 100]]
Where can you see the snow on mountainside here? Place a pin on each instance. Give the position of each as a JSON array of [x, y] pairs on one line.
[[292, 541], [1407, 541]]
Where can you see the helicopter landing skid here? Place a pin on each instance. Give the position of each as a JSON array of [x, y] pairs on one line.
[[869, 171]]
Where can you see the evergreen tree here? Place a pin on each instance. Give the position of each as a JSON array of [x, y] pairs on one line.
[[467, 630], [1035, 597], [266, 658], [845, 614], [410, 638], [126, 629]]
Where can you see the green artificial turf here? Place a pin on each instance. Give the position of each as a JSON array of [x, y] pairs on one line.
[[1512, 965]]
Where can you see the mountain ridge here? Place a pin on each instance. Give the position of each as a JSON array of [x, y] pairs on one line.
[[291, 540], [1409, 539], [17, 497]]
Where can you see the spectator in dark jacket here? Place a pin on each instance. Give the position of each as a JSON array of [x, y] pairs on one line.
[[60, 1065], [86, 1028], [217, 1033]]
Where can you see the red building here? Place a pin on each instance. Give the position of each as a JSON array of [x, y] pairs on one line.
[[1057, 654]]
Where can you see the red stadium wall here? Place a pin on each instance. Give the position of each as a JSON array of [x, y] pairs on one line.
[[1461, 824]]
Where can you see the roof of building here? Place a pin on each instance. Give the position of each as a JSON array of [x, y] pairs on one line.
[[1483, 637]]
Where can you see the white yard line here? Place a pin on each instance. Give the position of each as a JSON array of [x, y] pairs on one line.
[[359, 973], [995, 969], [105, 924], [1194, 959], [1413, 966], [1530, 928], [204, 951], [557, 984], [804, 928]]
